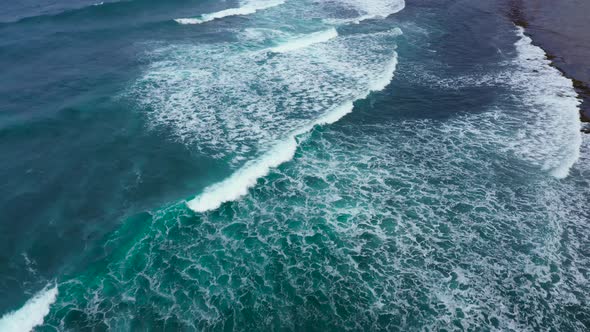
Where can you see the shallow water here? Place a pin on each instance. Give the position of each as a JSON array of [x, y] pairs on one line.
[[296, 165]]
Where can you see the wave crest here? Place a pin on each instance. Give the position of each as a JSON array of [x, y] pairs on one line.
[[306, 41], [247, 8], [31, 314]]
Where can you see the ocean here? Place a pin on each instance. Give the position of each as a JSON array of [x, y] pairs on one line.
[[305, 165]]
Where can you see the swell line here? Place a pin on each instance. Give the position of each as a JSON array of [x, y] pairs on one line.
[[557, 130], [248, 8], [238, 184]]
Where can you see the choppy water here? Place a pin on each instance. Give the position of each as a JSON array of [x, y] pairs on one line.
[[287, 165]]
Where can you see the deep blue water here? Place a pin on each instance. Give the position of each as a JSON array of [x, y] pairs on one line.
[[287, 165]]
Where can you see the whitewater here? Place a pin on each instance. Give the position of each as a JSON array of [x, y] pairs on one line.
[[32, 313], [245, 8], [306, 41]]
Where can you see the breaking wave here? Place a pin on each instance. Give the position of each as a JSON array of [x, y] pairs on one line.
[[31, 314], [246, 8], [552, 138], [238, 184], [306, 41]]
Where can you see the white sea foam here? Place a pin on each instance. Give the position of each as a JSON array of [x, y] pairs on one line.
[[369, 9], [306, 41], [235, 105], [237, 185], [377, 8], [246, 8], [31, 314], [552, 138]]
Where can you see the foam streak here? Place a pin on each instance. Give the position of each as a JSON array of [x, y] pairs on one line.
[[248, 8], [306, 41]]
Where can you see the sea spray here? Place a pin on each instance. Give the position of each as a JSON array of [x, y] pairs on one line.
[[31, 314]]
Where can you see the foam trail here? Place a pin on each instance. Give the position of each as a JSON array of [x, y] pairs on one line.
[[370, 9], [249, 7], [306, 41], [556, 134], [238, 184], [31, 314]]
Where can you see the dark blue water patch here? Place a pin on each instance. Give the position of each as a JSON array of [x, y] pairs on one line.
[[18, 10], [438, 71], [46, 75], [467, 35], [96, 12], [139, 23]]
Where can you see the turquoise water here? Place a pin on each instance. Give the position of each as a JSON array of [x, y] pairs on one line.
[[287, 165]]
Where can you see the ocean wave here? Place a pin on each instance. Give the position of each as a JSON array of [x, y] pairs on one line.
[[556, 109], [238, 184], [246, 8], [553, 138], [367, 10], [31, 314], [239, 102]]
